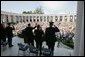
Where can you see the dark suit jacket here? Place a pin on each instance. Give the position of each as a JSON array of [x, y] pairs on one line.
[[50, 35], [28, 34], [9, 32], [39, 35], [3, 34]]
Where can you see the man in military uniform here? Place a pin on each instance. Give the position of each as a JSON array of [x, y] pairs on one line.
[[29, 37], [50, 36]]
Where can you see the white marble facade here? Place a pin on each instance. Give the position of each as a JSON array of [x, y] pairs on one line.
[[36, 18]]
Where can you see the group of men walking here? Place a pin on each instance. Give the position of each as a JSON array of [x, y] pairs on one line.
[[29, 36], [39, 36]]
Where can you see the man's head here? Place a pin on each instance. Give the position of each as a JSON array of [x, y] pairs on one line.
[[51, 24], [29, 25], [38, 26], [9, 24]]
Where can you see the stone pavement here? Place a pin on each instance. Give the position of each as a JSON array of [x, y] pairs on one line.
[[61, 51]]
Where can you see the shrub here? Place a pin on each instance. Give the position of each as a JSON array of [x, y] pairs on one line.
[[69, 42]]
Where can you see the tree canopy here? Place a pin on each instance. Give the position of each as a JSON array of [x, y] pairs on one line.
[[37, 10]]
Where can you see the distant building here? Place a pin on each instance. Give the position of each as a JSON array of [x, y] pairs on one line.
[[63, 21], [20, 18]]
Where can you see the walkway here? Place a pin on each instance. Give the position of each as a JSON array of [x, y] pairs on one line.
[[61, 51]]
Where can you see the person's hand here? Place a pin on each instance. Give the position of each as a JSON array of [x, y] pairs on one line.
[[54, 26]]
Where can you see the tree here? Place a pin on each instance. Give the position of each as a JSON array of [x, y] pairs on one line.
[[28, 12], [24, 12], [38, 10]]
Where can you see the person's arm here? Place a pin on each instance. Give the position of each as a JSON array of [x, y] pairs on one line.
[[45, 35], [42, 32], [13, 28], [56, 29], [34, 27], [34, 32]]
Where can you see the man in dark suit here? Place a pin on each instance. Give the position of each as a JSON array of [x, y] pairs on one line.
[[3, 34], [50, 36], [39, 37], [28, 35], [9, 34]]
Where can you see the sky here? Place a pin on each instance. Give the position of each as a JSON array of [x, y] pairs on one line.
[[49, 7]]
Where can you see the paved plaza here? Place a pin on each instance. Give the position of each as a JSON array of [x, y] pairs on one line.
[[13, 51]]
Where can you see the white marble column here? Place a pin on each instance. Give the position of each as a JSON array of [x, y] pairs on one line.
[[46, 18], [53, 19], [28, 19], [5, 18], [49, 18], [79, 35], [25, 19], [75, 17], [2, 17], [58, 18], [68, 18], [38, 18], [65, 18], [9, 18], [14, 19], [19, 19]]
